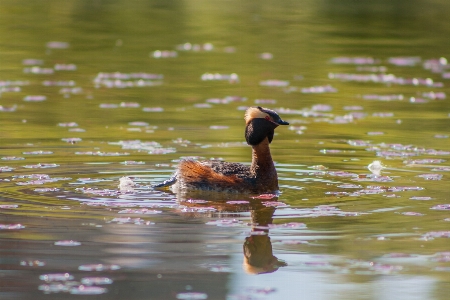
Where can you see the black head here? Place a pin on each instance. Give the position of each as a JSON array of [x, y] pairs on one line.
[[261, 123]]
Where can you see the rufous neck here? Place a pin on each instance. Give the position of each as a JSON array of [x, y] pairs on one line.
[[262, 163]]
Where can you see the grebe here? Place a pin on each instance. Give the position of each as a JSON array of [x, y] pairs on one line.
[[260, 177]]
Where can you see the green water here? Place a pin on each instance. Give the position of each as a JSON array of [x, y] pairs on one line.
[[352, 235]]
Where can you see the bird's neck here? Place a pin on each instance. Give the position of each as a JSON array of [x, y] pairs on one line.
[[262, 163]]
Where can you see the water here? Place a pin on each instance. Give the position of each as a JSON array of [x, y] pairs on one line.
[[93, 91]]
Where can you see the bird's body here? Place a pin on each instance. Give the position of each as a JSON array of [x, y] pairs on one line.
[[259, 177]]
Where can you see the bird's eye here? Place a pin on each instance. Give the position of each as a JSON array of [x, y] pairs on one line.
[[267, 118]]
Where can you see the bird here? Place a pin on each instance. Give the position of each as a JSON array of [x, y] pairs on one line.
[[258, 178]]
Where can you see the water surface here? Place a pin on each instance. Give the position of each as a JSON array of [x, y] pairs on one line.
[[92, 91]]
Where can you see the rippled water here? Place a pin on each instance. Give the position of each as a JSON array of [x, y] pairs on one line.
[[94, 92]]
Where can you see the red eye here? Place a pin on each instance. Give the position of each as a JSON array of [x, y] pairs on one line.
[[267, 118]]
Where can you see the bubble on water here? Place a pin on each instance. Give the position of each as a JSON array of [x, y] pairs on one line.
[[231, 78], [65, 67], [291, 225], [99, 192], [12, 158], [136, 221], [138, 123], [355, 60], [226, 100], [32, 263], [43, 190], [108, 105], [153, 109], [387, 79], [32, 62], [71, 91], [58, 83], [342, 174], [191, 296], [425, 161], [220, 269], [375, 167], [330, 151], [151, 147], [143, 211], [98, 267], [375, 133], [265, 101], [405, 61], [430, 176], [274, 83], [11, 226], [435, 95], [383, 114], [405, 188], [35, 176], [57, 287], [87, 290], [9, 108], [57, 45], [41, 166], [133, 162], [265, 196], [38, 70], [257, 233], [163, 54], [238, 202], [266, 56], [56, 277], [258, 290], [226, 223], [77, 130], [411, 213], [130, 104], [417, 100], [319, 89], [218, 127], [441, 207], [67, 243], [274, 204], [349, 186], [421, 198], [441, 257], [436, 234], [202, 105], [6, 169], [8, 206], [96, 280], [229, 49], [68, 124], [441, 136], [381, 69], [71, 140], [100, 153], [126, 185], [127, 80], [35, 98], [385, 269], [40, 152], [197, 209], [337, 193], [353, 107]]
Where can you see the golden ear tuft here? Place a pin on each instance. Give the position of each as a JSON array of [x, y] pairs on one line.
[[252, 113]]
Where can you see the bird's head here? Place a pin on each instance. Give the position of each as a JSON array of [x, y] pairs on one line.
[[261, 123]]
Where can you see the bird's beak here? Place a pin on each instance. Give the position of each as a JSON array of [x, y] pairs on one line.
[[281, 122]]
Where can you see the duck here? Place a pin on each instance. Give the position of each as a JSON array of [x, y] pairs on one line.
[[258, 178]]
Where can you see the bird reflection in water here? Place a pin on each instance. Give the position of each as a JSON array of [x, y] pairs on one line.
[[258, 254], [257, 248]]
